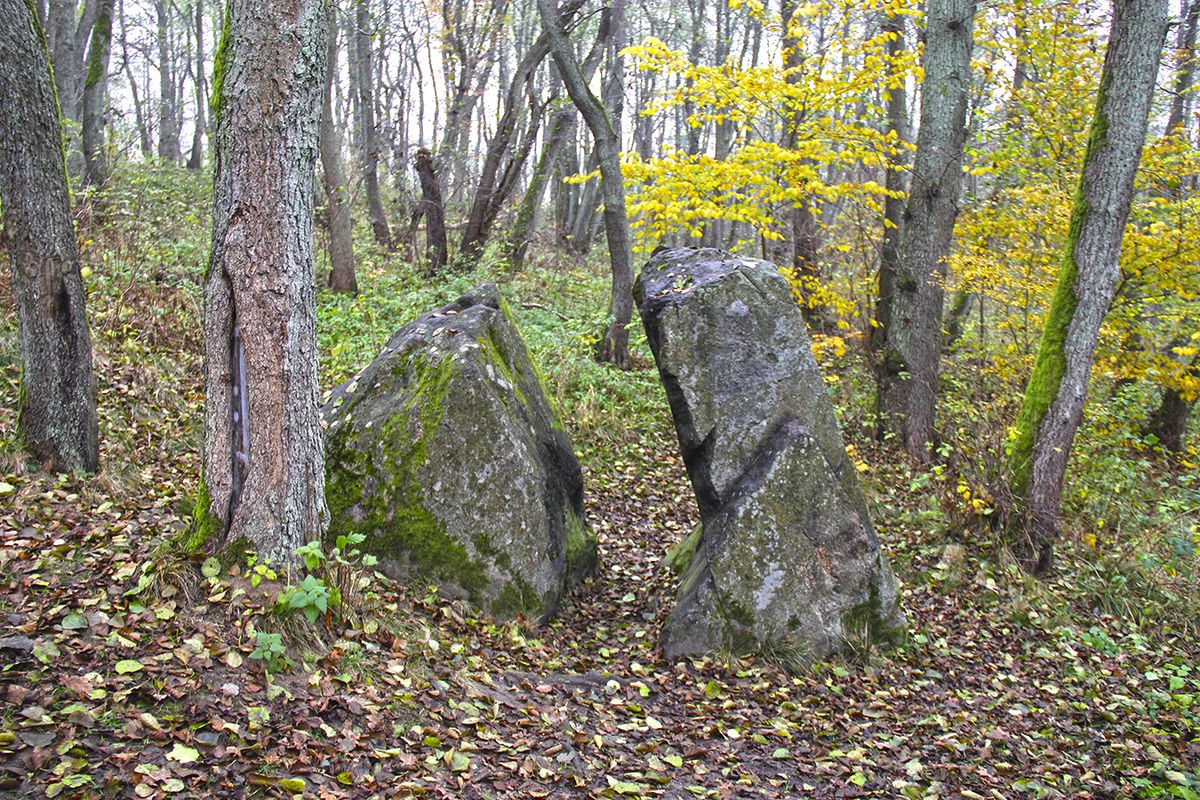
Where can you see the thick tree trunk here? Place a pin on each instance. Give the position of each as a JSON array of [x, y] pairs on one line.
[[909, 373], [1169, 422], [342, 276], [368, 133], [264, 465], [95, 86], [1054, 398], [614, 348], [56, 411], [433, 208], [893, 207]]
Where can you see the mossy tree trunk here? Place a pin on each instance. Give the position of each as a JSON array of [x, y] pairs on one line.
[[1054, 398], [342, 277], [95, 87], [264, 464], [56, 412], [614, 347], [909, 372]]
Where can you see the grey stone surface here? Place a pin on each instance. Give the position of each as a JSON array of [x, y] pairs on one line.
[[787, 559], [446, 454]]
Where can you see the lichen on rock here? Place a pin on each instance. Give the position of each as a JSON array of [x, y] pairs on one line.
[[446, 454], [786, 559]]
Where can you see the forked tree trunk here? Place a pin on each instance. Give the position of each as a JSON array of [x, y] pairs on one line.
[[56, 407], [614, 348], [909, 372], [1054, 399], [342, 276], [264, 465], [95, 87]]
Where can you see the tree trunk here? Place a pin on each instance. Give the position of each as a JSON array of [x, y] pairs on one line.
[[168, 102], [433, 208], [95, 86], [805, 240], [1169, 422], [562, 126], [909, 373], [56, 406], [893, 207], [196, 157], [489, 196], [368, 134], [264, 464], [614, 348], [64, 54], [1054, 399], [1185, 59], [342, 276]]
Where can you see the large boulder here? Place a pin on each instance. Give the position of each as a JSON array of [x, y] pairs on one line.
[[786, 560], [446, 454]]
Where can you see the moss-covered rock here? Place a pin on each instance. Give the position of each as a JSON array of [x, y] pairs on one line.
[[446, 454], [786, 560]]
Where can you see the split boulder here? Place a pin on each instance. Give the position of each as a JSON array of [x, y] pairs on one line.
[[786, 559], [446, 454]]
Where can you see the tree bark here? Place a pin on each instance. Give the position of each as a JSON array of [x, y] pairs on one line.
[[909, 373], [342, 276], [56, 406], [95, 87], [1054, 399], [614, 348], [433, 208], [264, 465]]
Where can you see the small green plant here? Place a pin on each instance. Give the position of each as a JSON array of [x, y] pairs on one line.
[[312, 597], [269, 649]]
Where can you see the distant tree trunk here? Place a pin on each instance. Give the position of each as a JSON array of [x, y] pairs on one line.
[[139, 111], [168, 101], [342, 276], [1185, 48], [368, 133], [562, 126], [1054, 399], [614, 348], [893, 207], [56, 406], [95, 86], [562, 129], [493, 189], [433, 208], [264, 464], [805, 240], [1169, 422], [196, 157], [909, 373], [61, 28]]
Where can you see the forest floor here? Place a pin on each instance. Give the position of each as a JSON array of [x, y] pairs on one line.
[[128, 672]]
